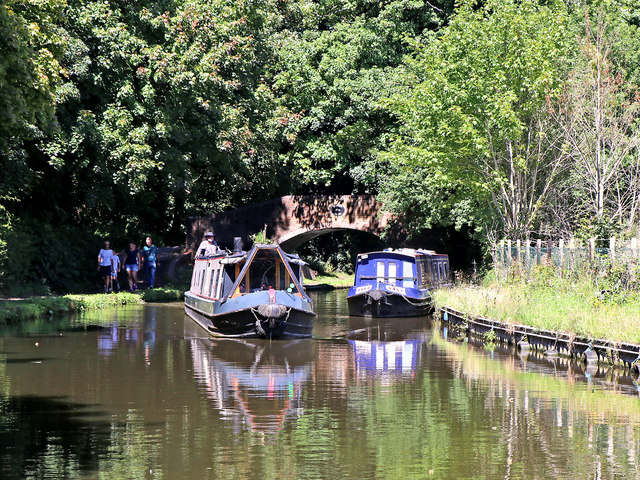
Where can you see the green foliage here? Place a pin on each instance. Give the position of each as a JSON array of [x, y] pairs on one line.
[[337, 251], [162, 294], [335, 69], [30, 48], [42, 256], [471, 113], [261, 237]]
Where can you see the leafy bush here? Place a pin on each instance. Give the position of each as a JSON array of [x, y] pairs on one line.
[[43, 257]]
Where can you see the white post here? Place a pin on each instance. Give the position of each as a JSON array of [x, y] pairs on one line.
[[612, 250], [572, 254]]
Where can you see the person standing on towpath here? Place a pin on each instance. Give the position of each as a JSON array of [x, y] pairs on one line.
[[105, 265], [150, 253], [131, 265]]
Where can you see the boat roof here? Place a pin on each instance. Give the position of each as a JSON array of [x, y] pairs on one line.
[[239, 257], [405, 252]]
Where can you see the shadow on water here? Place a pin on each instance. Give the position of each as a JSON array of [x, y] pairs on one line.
[[37, 431], [27, 360]]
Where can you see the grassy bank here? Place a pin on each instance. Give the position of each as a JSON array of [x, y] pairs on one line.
[[571, 305], [331, 280], [15, 310]]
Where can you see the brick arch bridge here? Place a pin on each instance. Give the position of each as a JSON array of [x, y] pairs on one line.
[[292, 220]]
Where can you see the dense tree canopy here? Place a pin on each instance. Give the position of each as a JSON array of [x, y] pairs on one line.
[[123, 118]]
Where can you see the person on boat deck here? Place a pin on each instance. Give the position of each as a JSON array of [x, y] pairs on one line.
[[208, 247], [105, 265]]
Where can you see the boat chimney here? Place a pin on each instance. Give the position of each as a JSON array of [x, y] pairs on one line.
[[237, 244]]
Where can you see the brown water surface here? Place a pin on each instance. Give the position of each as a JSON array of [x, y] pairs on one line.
[[140, 392]]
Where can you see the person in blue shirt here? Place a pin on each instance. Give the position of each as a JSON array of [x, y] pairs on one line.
[[150, 256]]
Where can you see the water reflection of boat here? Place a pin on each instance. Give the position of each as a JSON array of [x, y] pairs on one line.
[[399, 358], [254, 384], [396, 283], [250, 294], [386, 347]]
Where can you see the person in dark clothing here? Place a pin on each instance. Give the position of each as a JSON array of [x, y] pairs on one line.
[[150, 253], [132, 265]]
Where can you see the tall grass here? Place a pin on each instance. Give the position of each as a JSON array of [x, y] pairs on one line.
[[592, 304]]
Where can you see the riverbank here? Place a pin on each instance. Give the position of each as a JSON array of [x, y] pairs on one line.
[[570, 306], [329, 281], [23, 309]]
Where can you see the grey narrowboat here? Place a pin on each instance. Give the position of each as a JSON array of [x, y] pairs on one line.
[[258, 293]]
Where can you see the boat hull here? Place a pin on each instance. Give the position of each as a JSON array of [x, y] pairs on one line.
[[254, 315], [381, 303]]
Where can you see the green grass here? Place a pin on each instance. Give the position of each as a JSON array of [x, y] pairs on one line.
[[335, 280], [573, 306], [16, 310]]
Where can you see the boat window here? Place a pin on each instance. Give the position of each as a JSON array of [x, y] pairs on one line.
[[203, 271], [226, 283], [213, 282], [393, 270], [267, 270], [407, 273], [285, 281], [380, 271]]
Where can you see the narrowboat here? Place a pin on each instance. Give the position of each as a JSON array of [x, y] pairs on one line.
[[258, 293], [396, 282]]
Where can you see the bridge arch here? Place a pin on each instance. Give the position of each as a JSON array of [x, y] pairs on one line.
[[292, 220]]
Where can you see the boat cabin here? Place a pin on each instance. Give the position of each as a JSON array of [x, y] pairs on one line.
[[406, 268], [264, 267]]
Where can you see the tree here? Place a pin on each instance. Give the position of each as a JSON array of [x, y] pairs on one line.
[[599, 114], [336, 61], [476, 125]]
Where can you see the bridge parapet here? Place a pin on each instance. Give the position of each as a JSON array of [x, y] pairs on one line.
[[293, 219]]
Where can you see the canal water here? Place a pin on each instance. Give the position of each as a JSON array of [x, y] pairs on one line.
[[140, 392]]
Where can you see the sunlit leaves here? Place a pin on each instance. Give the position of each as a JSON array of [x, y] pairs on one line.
[[472, 107]]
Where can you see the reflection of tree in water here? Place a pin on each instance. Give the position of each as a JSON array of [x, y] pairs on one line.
[[48, 437], [548, 425]]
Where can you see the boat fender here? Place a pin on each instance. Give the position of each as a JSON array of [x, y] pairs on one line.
[[376, 294], [272, 310]]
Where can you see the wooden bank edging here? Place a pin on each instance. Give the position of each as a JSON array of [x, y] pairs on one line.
[[591, 350]]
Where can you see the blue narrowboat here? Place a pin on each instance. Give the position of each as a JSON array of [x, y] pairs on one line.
[[397, 282], [258, 293]]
